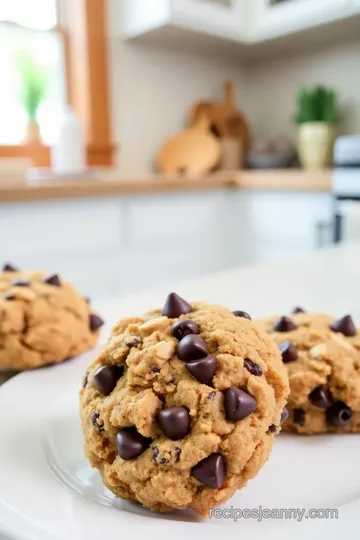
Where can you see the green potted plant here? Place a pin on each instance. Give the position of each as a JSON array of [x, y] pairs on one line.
[[33, 86], [317, 114]]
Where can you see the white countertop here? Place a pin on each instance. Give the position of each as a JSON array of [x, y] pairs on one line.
[[326, 281]]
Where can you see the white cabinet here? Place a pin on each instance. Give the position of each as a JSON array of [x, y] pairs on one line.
[[136, 21], [250, 26], [222, 18], [272, 20], [116, 246]]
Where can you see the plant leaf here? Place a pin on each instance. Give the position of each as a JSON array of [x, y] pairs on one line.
[[33, 83]]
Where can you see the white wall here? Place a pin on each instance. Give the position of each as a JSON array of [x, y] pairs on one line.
[[153, 90], [273, 85]]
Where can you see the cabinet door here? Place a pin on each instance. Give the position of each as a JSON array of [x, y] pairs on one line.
[[284, 225], [273, 18], [224, 18]]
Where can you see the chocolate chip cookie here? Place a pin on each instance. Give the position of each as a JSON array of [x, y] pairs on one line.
[[181, 408], [43, 320], [322, 357]]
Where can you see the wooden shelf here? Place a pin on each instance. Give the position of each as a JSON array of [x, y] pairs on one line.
[[285, 179], [110, 184]]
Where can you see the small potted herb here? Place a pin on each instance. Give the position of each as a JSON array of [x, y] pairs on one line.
[[317, 115], [33, 87]]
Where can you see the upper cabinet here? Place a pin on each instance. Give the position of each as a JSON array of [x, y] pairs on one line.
[[222, 18], [253, 26], [272, 19]]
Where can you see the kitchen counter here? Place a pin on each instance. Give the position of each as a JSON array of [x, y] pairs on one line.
[[108, 183]]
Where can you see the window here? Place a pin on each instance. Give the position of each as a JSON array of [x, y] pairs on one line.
[[65, 44], [28, 33]]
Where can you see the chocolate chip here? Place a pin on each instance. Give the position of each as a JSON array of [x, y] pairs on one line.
[[160, 461], [297, 310], [345, 326], [184, 328], [299, 417], [238, 404], [284, 415], [53, 279], [253, 368], [9, 268], [9, 296], [284, 324], [97, 423], [203, 370], [211, 471], [288, 352], [192, 348], [338, 415], [242, 314], [130, 443], [106, 378], [272, 428], [95, 322], [174, 422], [211, 395], [175, 306], [132, 343], [177, 452], [154, 369], [321, 397], [20, 283], [86, 379]]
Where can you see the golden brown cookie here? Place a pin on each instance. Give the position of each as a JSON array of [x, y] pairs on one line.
[[43, 320], [182, 407], [322, 356]]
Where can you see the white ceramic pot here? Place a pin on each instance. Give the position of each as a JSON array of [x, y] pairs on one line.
[[315, 145]]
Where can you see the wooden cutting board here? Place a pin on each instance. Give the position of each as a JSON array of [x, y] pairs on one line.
[[192, 152], [225, 119]]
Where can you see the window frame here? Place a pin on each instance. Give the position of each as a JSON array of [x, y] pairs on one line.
[[82, 25]]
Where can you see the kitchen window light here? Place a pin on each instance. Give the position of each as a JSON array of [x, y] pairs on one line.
[[70, 39], [30, 26]]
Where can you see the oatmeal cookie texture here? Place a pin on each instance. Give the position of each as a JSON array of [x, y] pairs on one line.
[[322, 357], [43, 320], [182, 407]]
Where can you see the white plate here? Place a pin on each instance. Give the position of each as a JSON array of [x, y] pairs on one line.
[[48, 491]]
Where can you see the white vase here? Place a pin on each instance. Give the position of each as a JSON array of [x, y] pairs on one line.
[[68, 154], [32, 133], [315, 145]]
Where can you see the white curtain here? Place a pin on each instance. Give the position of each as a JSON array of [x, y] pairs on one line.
[[29, 25]]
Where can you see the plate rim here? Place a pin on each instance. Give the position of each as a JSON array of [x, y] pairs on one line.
[[70, 372]]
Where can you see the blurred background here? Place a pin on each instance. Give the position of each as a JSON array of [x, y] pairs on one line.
[[148, 141]]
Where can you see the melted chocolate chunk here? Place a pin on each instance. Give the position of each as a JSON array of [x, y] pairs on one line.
[[252, 368]]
